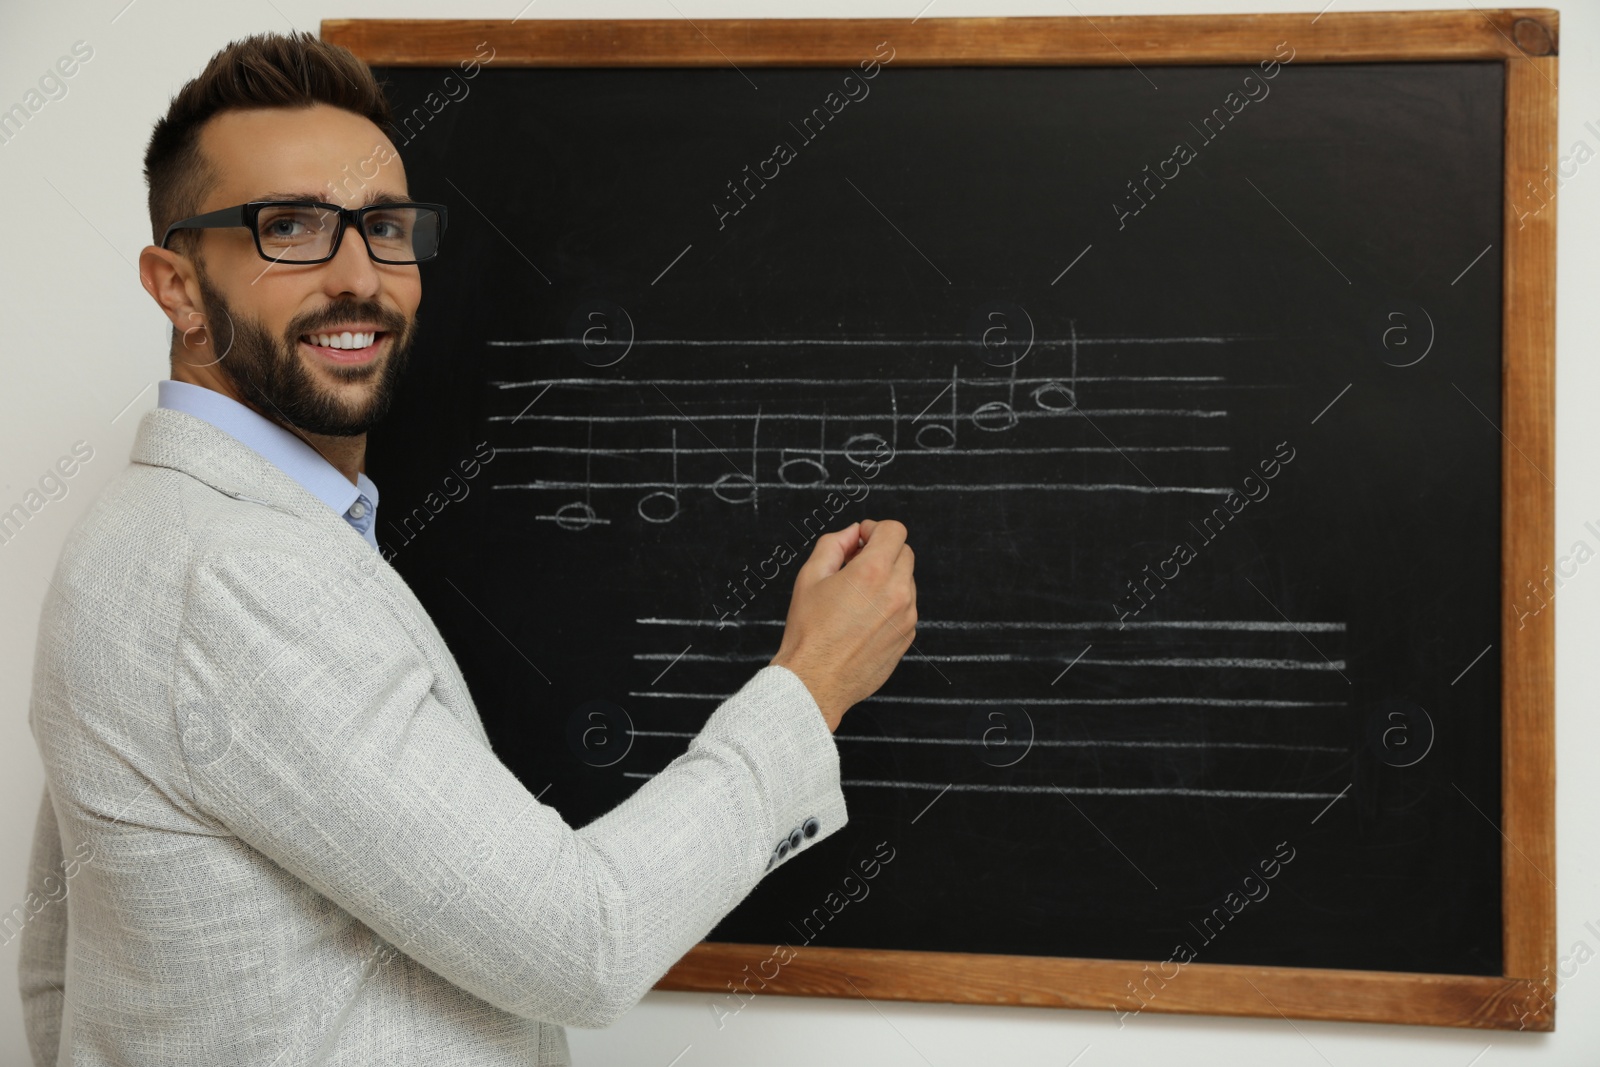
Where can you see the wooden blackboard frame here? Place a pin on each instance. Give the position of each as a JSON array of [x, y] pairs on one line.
[[1525, 40]]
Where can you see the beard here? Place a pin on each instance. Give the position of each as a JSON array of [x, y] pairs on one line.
[[269, 372]]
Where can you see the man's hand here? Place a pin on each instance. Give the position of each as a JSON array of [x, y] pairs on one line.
[[852, 616]]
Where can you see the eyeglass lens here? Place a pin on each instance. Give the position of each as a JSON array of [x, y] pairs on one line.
[[298, 233]]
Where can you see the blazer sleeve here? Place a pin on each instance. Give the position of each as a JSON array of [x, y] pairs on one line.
[[42, 958], [311, 730]]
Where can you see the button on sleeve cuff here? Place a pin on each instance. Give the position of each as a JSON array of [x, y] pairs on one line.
[[775, 725]]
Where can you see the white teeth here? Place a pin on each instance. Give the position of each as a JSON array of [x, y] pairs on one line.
[[345, 340]]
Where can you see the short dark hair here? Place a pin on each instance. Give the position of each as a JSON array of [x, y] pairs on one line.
[[265, 70]]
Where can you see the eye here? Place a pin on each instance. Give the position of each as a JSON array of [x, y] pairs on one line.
[[292, 224], [386, 228]]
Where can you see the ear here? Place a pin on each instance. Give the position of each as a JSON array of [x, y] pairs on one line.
[[170, 280]]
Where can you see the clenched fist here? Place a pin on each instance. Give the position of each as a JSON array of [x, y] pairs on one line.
[[852, 616]]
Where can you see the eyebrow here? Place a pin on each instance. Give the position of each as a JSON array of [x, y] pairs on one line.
[[372, 199]]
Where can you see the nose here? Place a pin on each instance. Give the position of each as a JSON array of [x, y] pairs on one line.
[[351, 271]]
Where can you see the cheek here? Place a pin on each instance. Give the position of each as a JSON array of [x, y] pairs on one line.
[[403, 293], [277, 312], [268, 297], [406, 291]]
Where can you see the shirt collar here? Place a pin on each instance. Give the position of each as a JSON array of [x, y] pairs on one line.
[[274, 443]]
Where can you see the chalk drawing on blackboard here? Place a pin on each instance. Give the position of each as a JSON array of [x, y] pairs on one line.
[[1254, 661], [935, 428], [934, 442], [817, 467], [580, 514], [670, 495], [733, 483]]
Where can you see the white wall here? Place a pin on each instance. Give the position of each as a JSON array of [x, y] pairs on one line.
[[82, 346]]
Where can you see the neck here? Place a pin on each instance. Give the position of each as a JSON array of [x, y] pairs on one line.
[[347, 455]]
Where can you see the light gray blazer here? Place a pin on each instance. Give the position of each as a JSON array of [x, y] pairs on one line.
[[274, 831]]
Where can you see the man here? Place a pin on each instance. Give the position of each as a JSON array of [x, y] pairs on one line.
[[273, 829]]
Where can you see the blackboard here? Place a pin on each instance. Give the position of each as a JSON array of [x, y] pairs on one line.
[[1187, 383]]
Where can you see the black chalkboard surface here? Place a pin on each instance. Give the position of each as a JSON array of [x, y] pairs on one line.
[[1197, 451]]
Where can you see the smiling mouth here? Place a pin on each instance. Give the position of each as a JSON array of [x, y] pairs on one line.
[[345, 346]]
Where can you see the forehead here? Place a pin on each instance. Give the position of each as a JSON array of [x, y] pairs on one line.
[[324, 151]]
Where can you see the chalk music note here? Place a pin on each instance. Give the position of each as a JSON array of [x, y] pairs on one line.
[[662, 494], [998, 415], [579, 515], [1053, 396], [857, 441], [817, 466], [928, 436], [729, 487]]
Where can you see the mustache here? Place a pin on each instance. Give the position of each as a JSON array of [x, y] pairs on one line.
[[387, 319]]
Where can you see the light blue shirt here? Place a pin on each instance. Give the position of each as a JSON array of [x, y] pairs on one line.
[[357, 503]]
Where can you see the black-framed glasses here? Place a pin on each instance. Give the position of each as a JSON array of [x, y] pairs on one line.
[[310, 231]]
